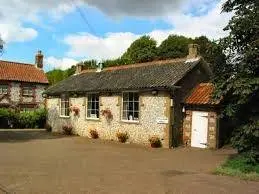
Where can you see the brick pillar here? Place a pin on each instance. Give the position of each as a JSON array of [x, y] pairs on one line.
[[212, 130], [187, 128]]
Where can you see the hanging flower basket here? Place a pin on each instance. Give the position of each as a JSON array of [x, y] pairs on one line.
[[75, 109], [107, 114]]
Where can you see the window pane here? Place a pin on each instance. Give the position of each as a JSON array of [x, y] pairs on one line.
[[130, 106], [131, 96], [136, 97], [93, 106], [136, 106], [136, 115]]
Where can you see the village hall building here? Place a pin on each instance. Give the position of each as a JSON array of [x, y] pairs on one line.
[[169, 99]]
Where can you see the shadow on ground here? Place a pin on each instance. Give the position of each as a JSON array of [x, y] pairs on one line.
[[23, 135]]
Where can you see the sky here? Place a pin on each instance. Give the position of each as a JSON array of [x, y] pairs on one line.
[[70, 31]]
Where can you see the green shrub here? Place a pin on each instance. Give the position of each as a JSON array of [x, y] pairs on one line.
[[241, 163], [8, 118], [240, 167], [246, 140], [33, 119]]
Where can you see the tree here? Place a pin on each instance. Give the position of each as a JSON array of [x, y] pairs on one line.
[[212, 52], [56, 76], [141, 50], [1, 45], [173, 47], [238, 80]]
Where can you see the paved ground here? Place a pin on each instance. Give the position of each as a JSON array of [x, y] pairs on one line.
[[38, 162]]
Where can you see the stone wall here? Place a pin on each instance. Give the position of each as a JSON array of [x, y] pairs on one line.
[[212, 141], [151, 108], [15, 96]]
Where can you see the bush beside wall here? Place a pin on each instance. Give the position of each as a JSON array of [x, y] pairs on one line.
[[32, 119]]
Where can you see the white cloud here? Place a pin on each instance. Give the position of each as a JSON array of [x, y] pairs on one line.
[[14, 13], [113, 45], [90, 46], [59, 63], [16, 33]]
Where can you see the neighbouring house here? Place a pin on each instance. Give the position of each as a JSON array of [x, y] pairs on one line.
[[144, 100], [22, 85]]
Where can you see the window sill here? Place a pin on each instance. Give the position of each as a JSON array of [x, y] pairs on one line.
[[92, 119], [130, 121], [64, 117]]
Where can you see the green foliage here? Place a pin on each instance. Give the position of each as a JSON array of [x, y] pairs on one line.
[[246, 140], [241, 162], [238, 81], [57, 75], [7, 117], [141, 50], [211, 51], [174, 47], [240, 166], [31, 119], [116, 62]]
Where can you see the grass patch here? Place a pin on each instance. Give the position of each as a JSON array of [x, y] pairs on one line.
[[239, 167]]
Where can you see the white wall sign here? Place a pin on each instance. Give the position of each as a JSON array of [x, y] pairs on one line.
[[162, 120]]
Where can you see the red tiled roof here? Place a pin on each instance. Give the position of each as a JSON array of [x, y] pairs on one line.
[[14, 71], [202, 95]]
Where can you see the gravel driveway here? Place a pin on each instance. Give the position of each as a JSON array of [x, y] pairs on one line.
[[34, 161]]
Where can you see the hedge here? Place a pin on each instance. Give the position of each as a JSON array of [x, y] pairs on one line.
[[32, 119]]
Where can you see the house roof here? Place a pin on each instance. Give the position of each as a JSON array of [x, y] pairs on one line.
[[15, 71], [157, 74], [202, 95]]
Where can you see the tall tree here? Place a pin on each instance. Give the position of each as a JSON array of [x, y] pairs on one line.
[[141, 50], [238, 80], [212, 52], [173, 47]]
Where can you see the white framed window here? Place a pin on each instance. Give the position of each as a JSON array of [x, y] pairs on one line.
[[3, 89], [64, 106], [130, 106], [93, 106], [27, 91]]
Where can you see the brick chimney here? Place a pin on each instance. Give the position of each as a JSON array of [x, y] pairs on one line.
[[79, 68], [193, 51], [39, 59]]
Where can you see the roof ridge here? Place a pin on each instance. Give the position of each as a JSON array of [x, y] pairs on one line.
[[144, 64], [20, 63], [136, 65]]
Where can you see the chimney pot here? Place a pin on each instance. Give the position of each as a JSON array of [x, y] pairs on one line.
[[193, 51], [39, 59], [79, 68]]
